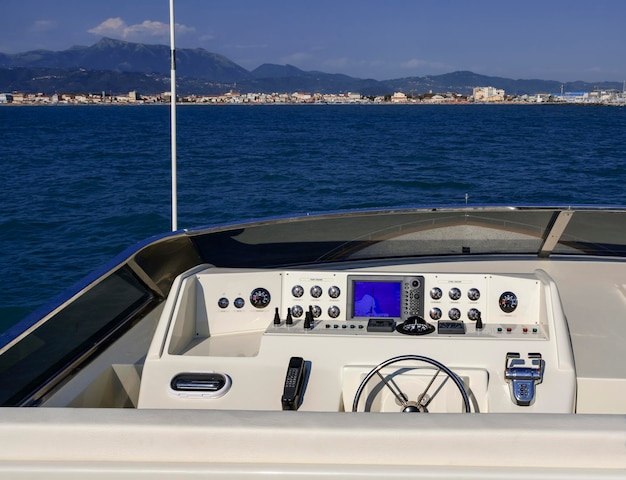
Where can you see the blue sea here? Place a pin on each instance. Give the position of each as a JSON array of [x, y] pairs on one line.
[[80, 184]]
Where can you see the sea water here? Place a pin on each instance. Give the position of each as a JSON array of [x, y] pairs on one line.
[[80, 184]]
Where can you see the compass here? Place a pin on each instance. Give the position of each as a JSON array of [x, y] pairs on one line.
[[415, 326]]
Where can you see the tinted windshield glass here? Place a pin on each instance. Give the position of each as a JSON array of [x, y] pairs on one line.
[[409, 233], [594, 232], [390, 234]]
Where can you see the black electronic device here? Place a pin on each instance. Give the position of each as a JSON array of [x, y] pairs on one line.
[[381, 325], [450, 328], [294, 383]]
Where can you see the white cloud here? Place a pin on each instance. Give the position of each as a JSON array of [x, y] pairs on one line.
[[118, 28], [110, 27]]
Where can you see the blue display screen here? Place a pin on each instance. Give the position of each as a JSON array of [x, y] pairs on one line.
[[376, 298]]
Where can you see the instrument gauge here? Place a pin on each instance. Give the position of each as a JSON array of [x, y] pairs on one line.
[[260, 297], [223, 302], [473, 294], [454, 293], [435, 313], [334, 292], [454, 314], [508, 302], [435, 293], [316, 291], [297, 311], [239, 302]]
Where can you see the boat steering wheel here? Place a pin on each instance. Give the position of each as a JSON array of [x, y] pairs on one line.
[[419, 405]]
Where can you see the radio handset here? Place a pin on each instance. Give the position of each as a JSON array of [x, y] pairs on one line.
[[294, 383]]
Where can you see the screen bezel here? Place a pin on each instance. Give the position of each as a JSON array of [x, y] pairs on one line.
[[354, 279]]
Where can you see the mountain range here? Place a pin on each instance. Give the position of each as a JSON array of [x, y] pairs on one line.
[[117, 67]]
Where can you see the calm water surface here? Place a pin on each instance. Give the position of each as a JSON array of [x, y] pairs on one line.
[[80, 184]]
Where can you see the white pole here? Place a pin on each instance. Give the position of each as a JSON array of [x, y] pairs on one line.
[[173, 116]]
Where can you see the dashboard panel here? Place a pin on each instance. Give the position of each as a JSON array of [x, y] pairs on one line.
[[329, 302], [239, 329]]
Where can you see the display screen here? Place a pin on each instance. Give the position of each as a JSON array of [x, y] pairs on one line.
[[376, 298]]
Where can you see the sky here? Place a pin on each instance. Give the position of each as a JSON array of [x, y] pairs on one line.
[[381, 39]]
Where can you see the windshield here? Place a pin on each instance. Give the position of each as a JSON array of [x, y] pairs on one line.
[[410, 233]]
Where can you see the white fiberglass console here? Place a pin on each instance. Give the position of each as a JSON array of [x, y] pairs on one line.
[[361, 341]]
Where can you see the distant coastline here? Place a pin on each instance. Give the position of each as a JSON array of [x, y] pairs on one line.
[[481, 95], [157, 104]]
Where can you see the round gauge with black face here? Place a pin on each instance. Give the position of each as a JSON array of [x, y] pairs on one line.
[[473, 294], [316, 291], [435, 313], [454, 293], [436, 293], [508, 302], [260, 297], [334, 292]]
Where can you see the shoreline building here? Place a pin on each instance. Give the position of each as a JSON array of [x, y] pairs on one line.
[[488, 94]]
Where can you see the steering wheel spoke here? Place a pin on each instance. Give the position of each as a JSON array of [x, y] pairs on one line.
[[421, 396], [400, 396]]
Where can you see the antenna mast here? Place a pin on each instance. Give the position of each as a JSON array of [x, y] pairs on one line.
[[173, 116]]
